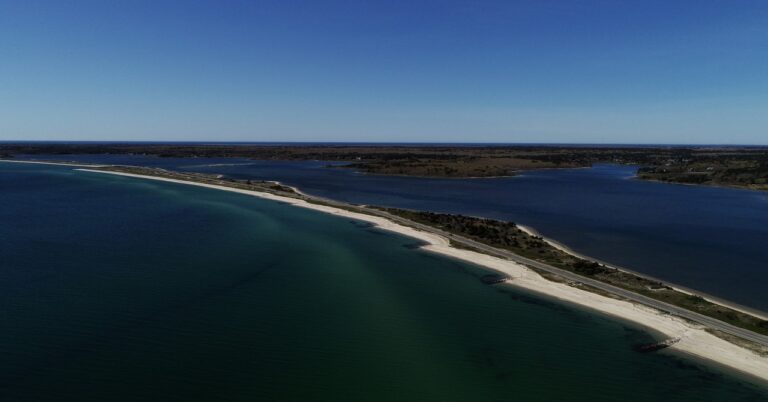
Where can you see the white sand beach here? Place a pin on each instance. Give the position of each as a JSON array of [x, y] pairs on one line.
[[694, 339], [713, 299]]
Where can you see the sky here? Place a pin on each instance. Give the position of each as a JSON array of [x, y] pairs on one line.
[[568, 71]]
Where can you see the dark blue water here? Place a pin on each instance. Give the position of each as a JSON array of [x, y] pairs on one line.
[[114, 288], [692, 236]]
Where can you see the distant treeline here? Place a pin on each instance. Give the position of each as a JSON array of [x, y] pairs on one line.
[[745, 167]]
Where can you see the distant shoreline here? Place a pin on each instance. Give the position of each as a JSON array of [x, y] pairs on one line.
[[72, 164], [694, 339]]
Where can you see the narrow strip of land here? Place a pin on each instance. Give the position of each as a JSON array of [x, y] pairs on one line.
[[487, 249], [673, 321], [638, 298], [617, 291]]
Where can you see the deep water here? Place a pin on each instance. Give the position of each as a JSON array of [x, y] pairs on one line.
[[115, 288]]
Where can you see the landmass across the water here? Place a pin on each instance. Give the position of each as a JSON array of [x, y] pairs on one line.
[[738, 166]]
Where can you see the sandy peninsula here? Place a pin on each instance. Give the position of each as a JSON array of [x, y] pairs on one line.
[[694, 339]]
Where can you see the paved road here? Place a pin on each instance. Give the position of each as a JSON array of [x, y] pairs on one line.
[[629, 295]]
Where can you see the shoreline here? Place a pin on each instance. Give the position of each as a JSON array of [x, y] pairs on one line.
[[694, 339], [734, 306], [714, 185]]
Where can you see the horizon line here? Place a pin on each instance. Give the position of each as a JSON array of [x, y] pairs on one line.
[[395, 143]]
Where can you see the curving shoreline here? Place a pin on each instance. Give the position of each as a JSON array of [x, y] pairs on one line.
[[694, 339], [746, 310]]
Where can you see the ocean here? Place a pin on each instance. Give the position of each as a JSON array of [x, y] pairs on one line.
[[116, 288]]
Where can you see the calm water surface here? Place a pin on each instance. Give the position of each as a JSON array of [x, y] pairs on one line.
[[714, 240], [114, 288]]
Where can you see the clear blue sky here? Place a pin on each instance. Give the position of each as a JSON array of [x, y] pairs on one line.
[[471, 71]]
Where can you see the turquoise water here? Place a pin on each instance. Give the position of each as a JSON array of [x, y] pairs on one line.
[[118, 288]]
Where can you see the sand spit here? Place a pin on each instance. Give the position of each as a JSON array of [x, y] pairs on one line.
[[746, 310], [694, 339]]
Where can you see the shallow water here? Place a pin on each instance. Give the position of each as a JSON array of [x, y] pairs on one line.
[[119, 288]]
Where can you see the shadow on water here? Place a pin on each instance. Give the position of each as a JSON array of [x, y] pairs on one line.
[[633, 335], [484, 275], [362, 224]]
